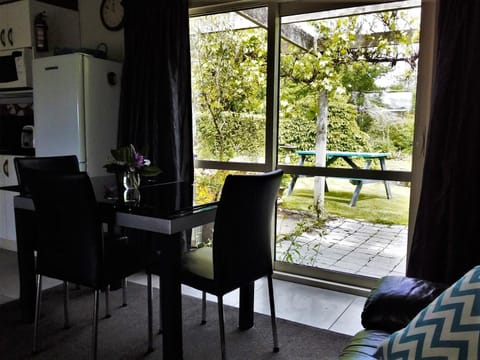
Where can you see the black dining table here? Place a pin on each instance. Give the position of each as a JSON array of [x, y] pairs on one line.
[[158, 210]]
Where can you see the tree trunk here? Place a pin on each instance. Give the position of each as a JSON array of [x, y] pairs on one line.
[[321, 151]]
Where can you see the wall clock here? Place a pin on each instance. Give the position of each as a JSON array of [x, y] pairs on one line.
[[112, 14]]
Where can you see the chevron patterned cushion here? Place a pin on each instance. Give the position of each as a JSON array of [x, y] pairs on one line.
[[448, 328]]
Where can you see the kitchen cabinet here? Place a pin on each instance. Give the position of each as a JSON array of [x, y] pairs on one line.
[[17, 26], [8, 177]]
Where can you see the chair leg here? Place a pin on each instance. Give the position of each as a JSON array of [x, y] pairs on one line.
[[38, 301], [124, 291], [204, 308], [160, 321], [107, 302], [96, 296], [66, 303], [222, 326], [272, 314], [150, 315]]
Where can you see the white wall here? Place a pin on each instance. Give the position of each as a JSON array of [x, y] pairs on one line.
[[92, 31]]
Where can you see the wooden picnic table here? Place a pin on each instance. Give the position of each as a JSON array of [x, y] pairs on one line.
[[348, 157]]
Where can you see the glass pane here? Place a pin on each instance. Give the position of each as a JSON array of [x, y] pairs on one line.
[[347, 101], [208, 188], [348, 85], [229, 85]]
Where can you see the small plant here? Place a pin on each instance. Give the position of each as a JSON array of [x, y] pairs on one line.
[[127, 159], [293, 254]]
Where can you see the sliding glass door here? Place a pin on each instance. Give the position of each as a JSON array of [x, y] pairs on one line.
[[328, 95], [346, 117]]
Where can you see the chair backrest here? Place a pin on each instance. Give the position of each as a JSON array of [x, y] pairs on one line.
[[69, 229], [67, 164], [243, 228]]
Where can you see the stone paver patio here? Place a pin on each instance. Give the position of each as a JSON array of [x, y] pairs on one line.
[[345, 245]]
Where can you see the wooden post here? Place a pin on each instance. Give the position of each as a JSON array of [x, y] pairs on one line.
[[321, 151]]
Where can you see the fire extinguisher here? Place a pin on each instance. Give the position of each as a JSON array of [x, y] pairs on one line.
[[41, 39]]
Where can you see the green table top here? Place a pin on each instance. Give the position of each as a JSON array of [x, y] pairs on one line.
[[332, 154]]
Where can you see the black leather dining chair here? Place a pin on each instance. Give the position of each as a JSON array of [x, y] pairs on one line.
[[72, 245], [61, 164], [241, 247], [66, 164]]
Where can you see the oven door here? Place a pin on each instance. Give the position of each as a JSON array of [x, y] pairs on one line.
[[8, 134], [13, 119]]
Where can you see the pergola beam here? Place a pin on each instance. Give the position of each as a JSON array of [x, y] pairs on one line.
[[297, 36]]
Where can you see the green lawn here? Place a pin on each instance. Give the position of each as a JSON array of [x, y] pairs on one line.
[[372, 204]]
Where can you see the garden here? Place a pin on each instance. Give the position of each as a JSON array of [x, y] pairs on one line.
[[348, 87]]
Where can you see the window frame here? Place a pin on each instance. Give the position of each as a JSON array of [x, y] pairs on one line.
[[277, 9]]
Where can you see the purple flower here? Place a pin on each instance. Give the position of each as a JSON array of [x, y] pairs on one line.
[[126, 158], [139, 160]]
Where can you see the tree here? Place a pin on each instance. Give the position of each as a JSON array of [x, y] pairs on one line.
[[229, 67], [344, 61], [345, 58]]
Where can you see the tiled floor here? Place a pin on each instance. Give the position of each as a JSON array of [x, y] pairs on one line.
[[309, 305], [346, 245]]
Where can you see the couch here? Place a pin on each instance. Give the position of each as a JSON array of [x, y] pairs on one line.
[[391, 305]]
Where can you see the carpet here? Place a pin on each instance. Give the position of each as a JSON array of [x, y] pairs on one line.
[[124, 335]]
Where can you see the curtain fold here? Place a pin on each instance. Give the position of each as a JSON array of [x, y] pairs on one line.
[[446, 240], [155, 104], [155, 101]]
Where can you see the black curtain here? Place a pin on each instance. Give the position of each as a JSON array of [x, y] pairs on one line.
[[446, 238], [155, 103]]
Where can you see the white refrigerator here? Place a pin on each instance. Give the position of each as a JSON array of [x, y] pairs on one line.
[[75, 102]]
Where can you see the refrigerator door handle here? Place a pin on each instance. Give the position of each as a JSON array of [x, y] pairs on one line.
[[112, 78], [5, 168]]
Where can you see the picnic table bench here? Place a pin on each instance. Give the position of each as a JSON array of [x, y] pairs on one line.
[[348, 157]]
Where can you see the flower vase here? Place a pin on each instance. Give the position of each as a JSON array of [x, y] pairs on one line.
[[131, 183]]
